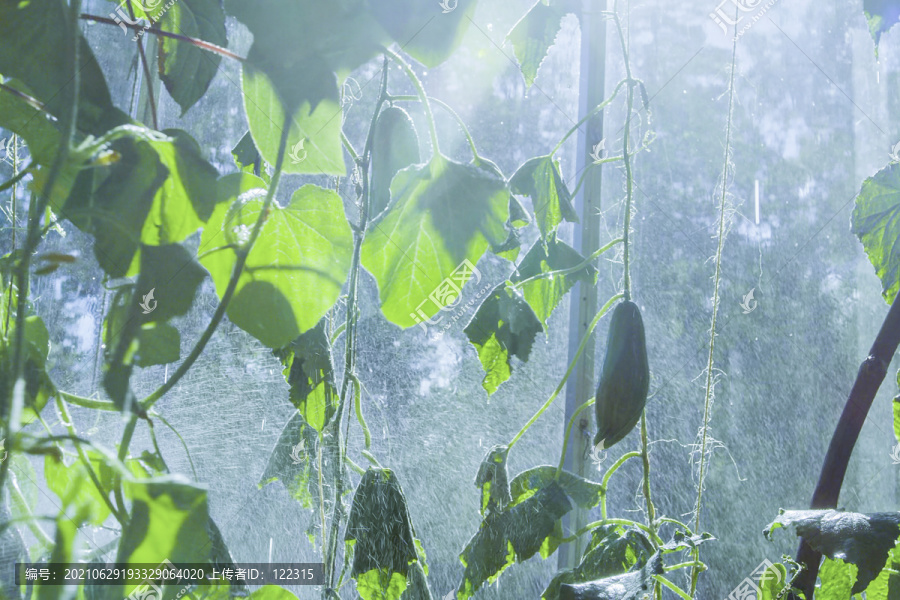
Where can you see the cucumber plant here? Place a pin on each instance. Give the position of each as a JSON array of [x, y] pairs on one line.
[[163, 219]]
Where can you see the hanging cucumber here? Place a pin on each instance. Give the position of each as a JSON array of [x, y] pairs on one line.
[[625, 379], [395, 146]]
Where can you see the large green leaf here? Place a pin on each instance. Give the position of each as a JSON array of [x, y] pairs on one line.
[[540, 180], [427, 31], [381, 537], [314, 141], [513, 535], [33, 49], [296, 268], [504, 326], [395, 146], [77, 492], [876, 222], [185, 69], [535, 32], [881, 15], [309, 370], [838, 578], [442, 214], [302, 45], [585, 493], [545, 293], [887, 585], [19, 116], [861, 539], [169, 521]]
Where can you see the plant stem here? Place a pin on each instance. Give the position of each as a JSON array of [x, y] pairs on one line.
[[629, 183], [15, 394], [88, 402], [587, 261], [562, 384], [453, 114], [209, 47], [148, 78], [420, 90], [606, 476], [672, 586], [593, 112], [707, 402], [15, 221], [562, 458], [645, 458]]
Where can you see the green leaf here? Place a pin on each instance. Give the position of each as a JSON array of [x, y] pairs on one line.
[[271, 592], [296, 268], [513, 535], [309, 370], [613, 550], [314, 141], [772, 582], [185, 69], [34, 46], [504, 326], [493, 481], [418, 584], [544, 294], [583, 492], [379, 513], [187, 197], [887, 585], [159, 344], [112, 203], [861, 539], [173, 275], [442, 214], [533, 35], [292, 462], [881, 15], [248, 159], [75, 489], [395, 146], [425, 30], [301, 45], [876, 222], [20, 117], [63, 552], [838, 580], [169, 521], [38, 385], [540, 180], [630, 586]]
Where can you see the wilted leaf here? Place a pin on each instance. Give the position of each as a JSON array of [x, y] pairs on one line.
[[585, 493], [540, 180], [630, 586], [513, 535], [504, 326], [309, 370], [860, 539], [493, 481]]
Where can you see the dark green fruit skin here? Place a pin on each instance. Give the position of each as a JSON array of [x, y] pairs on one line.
[[395, 146], [625, 379]]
